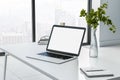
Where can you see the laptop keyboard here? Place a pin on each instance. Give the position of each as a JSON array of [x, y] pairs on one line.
[[54, 55]]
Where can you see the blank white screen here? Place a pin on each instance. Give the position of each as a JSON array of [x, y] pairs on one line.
[[66, 39]]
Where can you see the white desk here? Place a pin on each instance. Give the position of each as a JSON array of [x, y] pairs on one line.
[[108, 58]]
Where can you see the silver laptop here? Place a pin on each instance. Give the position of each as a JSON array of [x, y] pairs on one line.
[[64, 44]]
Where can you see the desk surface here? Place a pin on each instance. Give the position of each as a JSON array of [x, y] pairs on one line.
[[109, 58]]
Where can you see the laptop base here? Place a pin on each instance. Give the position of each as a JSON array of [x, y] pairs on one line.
[[49, 54], [50, 59]]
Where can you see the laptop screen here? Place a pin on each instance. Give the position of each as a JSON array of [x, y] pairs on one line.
[[66, 39]]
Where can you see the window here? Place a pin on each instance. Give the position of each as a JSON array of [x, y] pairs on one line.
[[15, 21], [50, 12]]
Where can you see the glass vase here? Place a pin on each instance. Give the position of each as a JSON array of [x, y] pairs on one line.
[[93, 52]]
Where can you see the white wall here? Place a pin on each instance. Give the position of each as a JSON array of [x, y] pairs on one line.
[[107, 37]]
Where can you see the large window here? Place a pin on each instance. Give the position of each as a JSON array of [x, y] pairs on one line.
[[17, 18], [15, 21], [50, 12]]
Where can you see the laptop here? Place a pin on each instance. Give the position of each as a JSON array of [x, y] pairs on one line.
[[64, 44]]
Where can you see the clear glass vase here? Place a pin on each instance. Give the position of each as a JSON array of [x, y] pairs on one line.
[[93, 52]]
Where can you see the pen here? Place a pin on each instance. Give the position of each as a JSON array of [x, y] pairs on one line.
[[94, 70]]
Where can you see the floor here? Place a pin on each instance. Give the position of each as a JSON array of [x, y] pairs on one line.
[[17, 70]]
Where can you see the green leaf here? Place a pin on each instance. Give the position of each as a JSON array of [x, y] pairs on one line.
[[83, 13], [94, 17], [109, 22], [112, 28]]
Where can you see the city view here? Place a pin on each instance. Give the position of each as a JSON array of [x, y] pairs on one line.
[[16, 20]]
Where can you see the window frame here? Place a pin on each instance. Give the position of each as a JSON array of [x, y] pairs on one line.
[[88, 27], [33, 21]]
